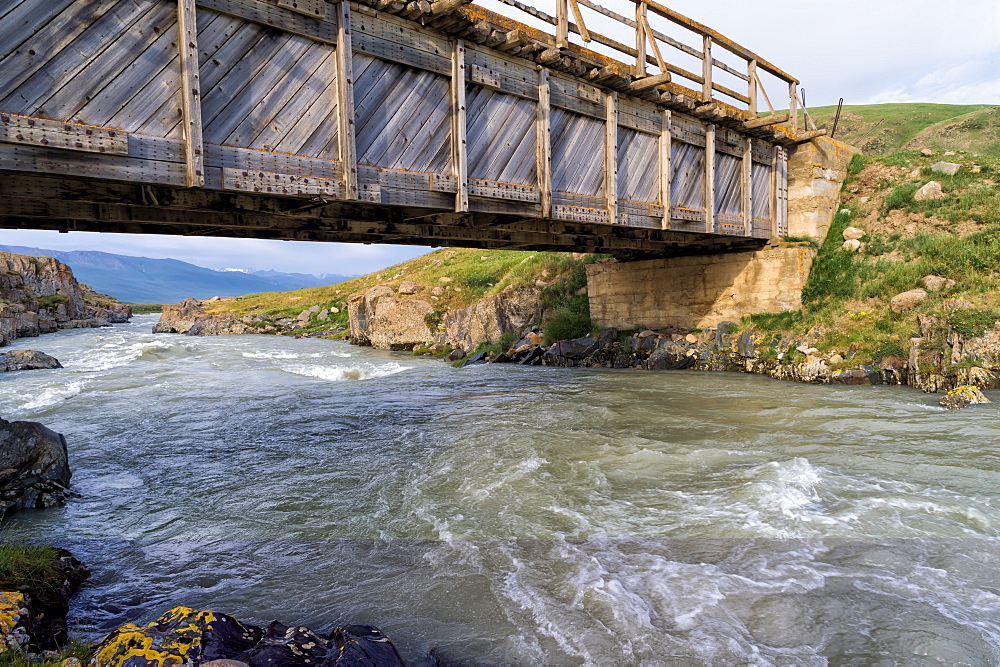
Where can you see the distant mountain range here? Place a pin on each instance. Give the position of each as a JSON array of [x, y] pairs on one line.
[[144, 280]]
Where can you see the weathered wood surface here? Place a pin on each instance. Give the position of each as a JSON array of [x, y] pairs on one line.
[[334, 101]]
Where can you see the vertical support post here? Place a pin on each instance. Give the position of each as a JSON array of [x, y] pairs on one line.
[[706, 70], [345, 101], [793, 108], [543, 145], [459, 149], [187, 44], [747, 179], [640, 40], [781, 211], [562, 24], [665, 174], [774, 194], [710, 179], [752, 87], [611, 156]]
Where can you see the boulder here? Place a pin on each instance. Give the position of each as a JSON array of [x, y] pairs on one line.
[[438, 291], [179, 318], [937, 283], [305, 316], [575, 349], [964, 396], [907, 301], [926, 152], [180, 636], [852, 245], [455, 355], [34, 466], [853, 233], [508, 312], [27, 360], [931, 191], [323, 315], [946, 168], [956, 304], [409, 287]]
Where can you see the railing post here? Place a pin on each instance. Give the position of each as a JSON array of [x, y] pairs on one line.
[[665, 149], [345, 101], [793, 106], [543, 147], [562, 24], [706, 69], [187, 45], [640, 40], [459, 149], [611, 156], [710, 178], [752, 87]]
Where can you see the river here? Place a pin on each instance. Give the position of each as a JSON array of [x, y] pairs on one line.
[[500, 514]]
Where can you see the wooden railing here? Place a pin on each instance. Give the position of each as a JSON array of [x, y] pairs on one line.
[[647, 51]]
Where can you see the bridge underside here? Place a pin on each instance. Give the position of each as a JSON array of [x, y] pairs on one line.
[[316, 120], [70, 204]]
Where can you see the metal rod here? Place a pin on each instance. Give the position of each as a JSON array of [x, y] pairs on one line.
[[836, 120]]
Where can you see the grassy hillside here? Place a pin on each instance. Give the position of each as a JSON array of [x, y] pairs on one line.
[[879, 129], [462, 276], [846, 300]]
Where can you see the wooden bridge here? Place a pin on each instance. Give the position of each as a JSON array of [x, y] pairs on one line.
[[398, 121]]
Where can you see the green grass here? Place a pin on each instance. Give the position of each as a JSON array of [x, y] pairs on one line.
[[146, 308], [29, 565], [52, 301], [879, 129]]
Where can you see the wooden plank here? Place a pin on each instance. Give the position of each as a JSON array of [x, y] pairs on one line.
[[305, 110], [271, 183], [781, 192], [640, 208], [543, 145], [400, 53], [579, 214], [187, 32], [706, 69], [576, 105], [489, 205], [276, 17], [156, 148], [116, 25], [460, 153], [709, 178], [398, 31], [22, 21], [68, 136], [317, 9], [424, 198], [345, 100], [640, 41], [77, 163], [248, 159], [665, 151], [47, 40], [506, 191], [611, 155]]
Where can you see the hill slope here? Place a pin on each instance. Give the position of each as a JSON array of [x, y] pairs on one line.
[[879, 129], [144, 280]]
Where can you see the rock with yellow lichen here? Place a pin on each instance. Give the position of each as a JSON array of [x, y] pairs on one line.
[[964, 396], [184, 636], [14, 622], [180, 636]]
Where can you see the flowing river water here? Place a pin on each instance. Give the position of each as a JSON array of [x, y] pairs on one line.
[[501, 514]]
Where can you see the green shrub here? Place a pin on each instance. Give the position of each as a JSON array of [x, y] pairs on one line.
[[52, 301], [901, 197], [434, 319], [569, 306], [857, 164]]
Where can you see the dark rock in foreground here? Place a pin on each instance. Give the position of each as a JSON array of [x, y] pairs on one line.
[[188, 636], [34, 466], [34, 604], [963, 397], [27, 360]]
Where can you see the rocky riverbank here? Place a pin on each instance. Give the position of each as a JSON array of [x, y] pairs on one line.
[[39, 295]]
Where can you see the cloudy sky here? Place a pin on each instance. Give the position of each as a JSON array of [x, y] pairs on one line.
[[866, 51]]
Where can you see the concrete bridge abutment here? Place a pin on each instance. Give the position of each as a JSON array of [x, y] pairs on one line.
[[701, 291]]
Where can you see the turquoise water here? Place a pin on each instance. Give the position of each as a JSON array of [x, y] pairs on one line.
[[499, 514]]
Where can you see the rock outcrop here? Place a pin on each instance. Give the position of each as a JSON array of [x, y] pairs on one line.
[[33, 606], [189, 317], [384, 321], [963, 397], [34, 466], [187, 636], [508, 312], [27, 360], [40, 295]]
